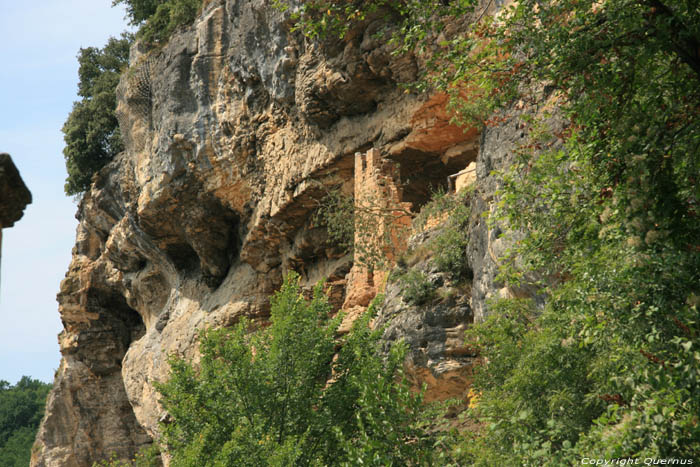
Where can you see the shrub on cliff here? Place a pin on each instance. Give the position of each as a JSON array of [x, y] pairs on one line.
[[159, 18], [278, 396], [21, 410], [91, 131]]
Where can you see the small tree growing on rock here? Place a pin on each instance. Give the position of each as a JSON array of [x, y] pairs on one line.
[[91, 131]]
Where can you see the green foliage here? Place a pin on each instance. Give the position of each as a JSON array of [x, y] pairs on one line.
[[21, 411], [322, 18], [468, 64], [139, 11], [610, 365], [441, 204], [608, 223], [447, 251], [371, 231], [169, 16], [148, 456], [451, 251], [416, 287], [450, 246], [113, 461], [159, 18], [91, 131], [277, 396], [336, 213]]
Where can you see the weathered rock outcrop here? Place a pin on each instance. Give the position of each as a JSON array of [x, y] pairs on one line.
[[234, 130], [434, 331]]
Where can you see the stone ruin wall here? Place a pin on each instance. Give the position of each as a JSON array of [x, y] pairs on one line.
[[378, 196]]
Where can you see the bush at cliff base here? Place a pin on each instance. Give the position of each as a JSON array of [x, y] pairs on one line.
[[280, 395]]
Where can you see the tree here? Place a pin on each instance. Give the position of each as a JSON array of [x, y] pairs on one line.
[[611, 227], [610, 364], [277, 396], [139, 10], [91, 131], [159, 18], [21, 411], [607, 211]]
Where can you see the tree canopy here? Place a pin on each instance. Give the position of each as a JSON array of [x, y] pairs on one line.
[[612, 363], [606, 207], [159, 18], [21, 411], [91, 131], [277, 396], [139, 11]]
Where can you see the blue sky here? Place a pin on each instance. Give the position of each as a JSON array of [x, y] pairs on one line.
[[39, 42]]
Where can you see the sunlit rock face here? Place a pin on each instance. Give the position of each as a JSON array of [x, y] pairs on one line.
[[234, 131]]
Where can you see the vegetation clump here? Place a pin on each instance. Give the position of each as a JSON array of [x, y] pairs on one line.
[[283, 396], [148, 456], [158, 19], [611, 363], [416, 287], [449, 247], [606, 207], [21, 411], [91, 131], [371, 230]]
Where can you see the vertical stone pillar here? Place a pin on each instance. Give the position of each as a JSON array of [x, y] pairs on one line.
[[382, 222]]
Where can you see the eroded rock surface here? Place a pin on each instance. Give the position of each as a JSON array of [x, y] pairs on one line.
[[433, 331], [234, 131]]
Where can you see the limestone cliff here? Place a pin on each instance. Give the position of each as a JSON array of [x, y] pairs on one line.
[[234, 130]]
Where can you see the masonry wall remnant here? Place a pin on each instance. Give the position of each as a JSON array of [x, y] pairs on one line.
[[382, 221]]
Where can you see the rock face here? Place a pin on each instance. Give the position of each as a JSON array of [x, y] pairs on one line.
[[234, 131], [434, 331]]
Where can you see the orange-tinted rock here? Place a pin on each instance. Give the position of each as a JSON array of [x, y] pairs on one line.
[[431, 130]]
